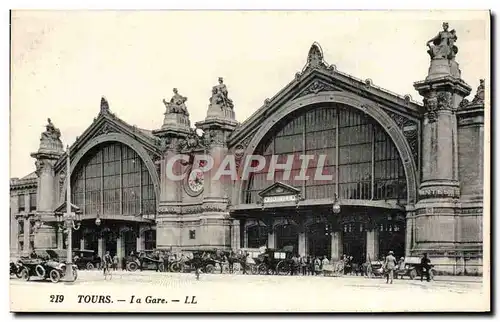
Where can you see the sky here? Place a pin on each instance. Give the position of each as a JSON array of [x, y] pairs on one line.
[[63, 62]]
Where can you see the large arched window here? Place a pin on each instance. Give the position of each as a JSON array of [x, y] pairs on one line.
[[360, 157], [112, 179]]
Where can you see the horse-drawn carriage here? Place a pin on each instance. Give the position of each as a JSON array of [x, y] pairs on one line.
[[183, 261]]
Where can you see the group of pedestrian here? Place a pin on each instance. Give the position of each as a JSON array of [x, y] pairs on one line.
[[308, 265]]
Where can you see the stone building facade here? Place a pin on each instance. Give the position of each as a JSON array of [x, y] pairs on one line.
[[407, 177]]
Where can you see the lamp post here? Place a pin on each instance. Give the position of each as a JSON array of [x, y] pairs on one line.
[[69, 221], [336, 205]]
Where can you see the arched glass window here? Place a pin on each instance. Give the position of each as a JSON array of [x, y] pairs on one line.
[[358, 155], [113, 180]]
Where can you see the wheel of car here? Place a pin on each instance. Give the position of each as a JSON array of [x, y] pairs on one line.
[[89, 266], [132, 266], [413, 274], [40, 271], [25, 274], [175, 267], [209, 269], [54, 275], [282, 268], [262, 269], [18, 272]]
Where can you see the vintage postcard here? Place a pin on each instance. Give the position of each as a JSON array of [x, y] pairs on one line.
[[250, 161]]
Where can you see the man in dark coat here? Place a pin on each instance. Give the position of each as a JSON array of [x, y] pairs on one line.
[[197, 264], [426, 267]]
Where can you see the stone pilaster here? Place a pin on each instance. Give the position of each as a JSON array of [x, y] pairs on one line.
[[336, 246], [302, 243], [235, 235], [14, 225], [372, 251]]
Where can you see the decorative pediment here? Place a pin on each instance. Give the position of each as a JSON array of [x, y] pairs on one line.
[[61, 209], [105, 123], [317, 77], [279, 189]]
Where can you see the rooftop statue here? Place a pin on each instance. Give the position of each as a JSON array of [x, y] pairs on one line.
[[479, 97], [220, 95], [176, 104], [51, 132], [443, 44]]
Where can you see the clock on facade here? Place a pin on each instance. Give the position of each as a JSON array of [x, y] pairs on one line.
[[194, 182]]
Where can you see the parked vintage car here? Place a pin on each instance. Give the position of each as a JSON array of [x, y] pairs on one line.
[[133, 262], [45, 267], [413, 269], [86, 259]]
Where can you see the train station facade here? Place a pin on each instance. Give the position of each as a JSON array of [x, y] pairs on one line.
[[396, 174]]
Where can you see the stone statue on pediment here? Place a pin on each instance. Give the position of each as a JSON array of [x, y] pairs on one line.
[[443, 44], [220, 96], [177, 104], [51, 132], [50, 139]]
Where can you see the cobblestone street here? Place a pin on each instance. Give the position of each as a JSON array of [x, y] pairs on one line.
[[260, 293]]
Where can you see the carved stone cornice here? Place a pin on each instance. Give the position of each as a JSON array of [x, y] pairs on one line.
[[169, 210], [439, 192]]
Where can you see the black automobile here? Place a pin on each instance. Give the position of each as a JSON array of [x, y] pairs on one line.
[[86, 259], [15, 269], [45, 266], [145, 259]]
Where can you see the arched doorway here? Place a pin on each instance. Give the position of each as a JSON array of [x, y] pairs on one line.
[[256, 236], [287, 235], [392, 235], [354, 240], [319, 240]]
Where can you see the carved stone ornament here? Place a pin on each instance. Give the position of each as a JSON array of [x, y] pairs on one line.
[[104, 105], [315, 57], [431, 106], [444, 101], [220, 96], [42, 165], [51, 139], [105, 129], [316, 87], [177, 104], [479, 97], [443, 44]]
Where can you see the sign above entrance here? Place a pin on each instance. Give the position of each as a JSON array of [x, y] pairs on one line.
[[279, 192], [280, 198]]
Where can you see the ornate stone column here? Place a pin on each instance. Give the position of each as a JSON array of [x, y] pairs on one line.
[[50, 150], [443, 90], [172, 137], [217, 126]]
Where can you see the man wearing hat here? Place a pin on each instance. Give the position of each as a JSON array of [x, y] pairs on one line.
[[390, 264]]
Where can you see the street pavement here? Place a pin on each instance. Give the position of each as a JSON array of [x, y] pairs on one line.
[[215, 292]]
